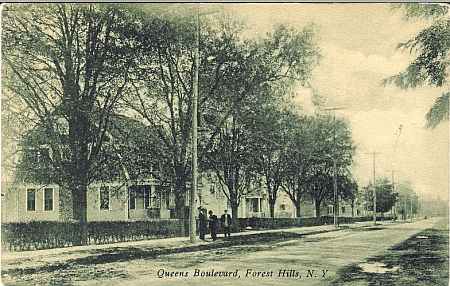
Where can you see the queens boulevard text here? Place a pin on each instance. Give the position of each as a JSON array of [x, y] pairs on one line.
[[245, 274]]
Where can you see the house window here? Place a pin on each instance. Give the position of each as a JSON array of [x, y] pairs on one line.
[[155, 199], [132, 200], [330, 210], [31, 199], [146, 197], [104, 198], [165, 199], [48, 199], [171, 200], [343, 210], [283, 207], [254, 205]]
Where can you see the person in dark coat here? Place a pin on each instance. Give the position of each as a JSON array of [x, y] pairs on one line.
[[213, 221], [225, 220], [202, 222]]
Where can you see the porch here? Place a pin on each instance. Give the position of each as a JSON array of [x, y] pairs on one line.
[[149, 201]]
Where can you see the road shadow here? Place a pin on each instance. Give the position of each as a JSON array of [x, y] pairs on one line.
[[420, 260], [121, 254]]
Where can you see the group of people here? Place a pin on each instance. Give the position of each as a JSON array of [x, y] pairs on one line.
[[212, 222]]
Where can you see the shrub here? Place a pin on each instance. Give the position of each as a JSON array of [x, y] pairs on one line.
[[273, 223], [49, 234]]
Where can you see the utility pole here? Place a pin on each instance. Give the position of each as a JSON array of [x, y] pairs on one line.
[[404, 208], [411, 209], [335, 192], [393, 191], [193, 193], [335, 197], [374, 192], [398, 133], [374, 154]]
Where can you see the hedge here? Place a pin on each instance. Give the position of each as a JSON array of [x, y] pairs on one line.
[[49, 234], [274, 223]]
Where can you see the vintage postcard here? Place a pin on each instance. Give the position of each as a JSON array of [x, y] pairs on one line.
[[225, 143]]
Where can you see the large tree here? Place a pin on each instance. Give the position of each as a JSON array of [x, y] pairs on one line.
[[334, 147], [269, 67], [321, 188], [300, 156], [68, 64], [386, 197], [430, 67], [232, 72], [162, 96], [315, 141], [270, 136], [407, 199]]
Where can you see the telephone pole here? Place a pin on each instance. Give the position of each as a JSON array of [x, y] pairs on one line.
[[404, 208], [398, 133], [335, 192], [393, 191], [194, 187], [411, 207], [374, 154], [374, 192], [193, 193]]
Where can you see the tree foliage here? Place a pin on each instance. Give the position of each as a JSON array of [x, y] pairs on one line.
[[272, 133], [407, 199], [316, 142], [385, 195], [110, 90], [234, 73], [68, 64], [431, 65]]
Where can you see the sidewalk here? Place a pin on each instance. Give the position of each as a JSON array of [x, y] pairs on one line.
[[146, 248]]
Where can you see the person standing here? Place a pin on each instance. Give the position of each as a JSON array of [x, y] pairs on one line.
[[225, 219], [202, 223], [213, 225]]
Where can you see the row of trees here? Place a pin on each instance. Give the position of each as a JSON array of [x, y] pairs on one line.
[[77, 68], [282, 151], [402, 199]]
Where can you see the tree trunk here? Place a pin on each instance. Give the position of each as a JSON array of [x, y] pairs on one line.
[[272, 208], [234, 217], [317, 205], [79, 138], [180, 196], [79, 195], [234, 211], [180, 205], [353, 208], [297, 210]]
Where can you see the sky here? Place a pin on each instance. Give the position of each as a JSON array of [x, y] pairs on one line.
[[358, 47]]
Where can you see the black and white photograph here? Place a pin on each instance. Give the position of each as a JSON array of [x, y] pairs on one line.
[[203, 143]]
